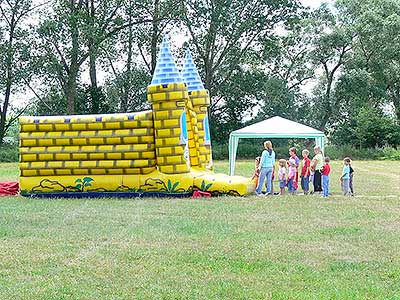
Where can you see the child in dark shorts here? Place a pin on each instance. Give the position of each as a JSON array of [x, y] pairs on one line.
[[351, 179]]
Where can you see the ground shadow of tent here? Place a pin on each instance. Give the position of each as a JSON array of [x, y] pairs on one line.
[[275, 127]]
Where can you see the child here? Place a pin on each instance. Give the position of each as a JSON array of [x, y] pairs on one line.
[[326, 169], [256, 174], [293, 154], [345, 178], [292, 184], [282, 175], [351, 179], [305, 172]]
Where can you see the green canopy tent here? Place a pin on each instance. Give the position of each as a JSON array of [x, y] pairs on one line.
[[275, 127]]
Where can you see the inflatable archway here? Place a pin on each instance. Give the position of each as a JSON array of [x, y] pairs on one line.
[[165, 151]]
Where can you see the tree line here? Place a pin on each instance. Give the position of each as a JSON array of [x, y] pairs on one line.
[[336, 68]]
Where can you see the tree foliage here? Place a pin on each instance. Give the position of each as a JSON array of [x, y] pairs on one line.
[[335, 67]]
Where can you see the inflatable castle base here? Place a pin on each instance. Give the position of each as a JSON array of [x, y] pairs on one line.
[[155, 184], [165, 151]]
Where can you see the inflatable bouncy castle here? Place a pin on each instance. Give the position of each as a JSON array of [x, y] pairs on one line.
[[165, 151]]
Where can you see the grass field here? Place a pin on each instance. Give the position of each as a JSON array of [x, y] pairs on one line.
[[291, 247]]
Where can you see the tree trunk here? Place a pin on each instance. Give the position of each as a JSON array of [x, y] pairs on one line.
[[93, 69], [154, 35], [94, 95], [327, 104], [71, 91], [9, 80], [71, 87], [127, 79]]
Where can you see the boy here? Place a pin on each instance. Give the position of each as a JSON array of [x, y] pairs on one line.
[[326, 170], [305, 172], [345, 178], [316, 165]]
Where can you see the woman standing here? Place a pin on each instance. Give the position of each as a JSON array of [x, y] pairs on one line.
[[316, 166], [266, 169]]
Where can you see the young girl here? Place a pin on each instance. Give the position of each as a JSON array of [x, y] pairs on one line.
[[282, 175], [293, 155], [256, 174], [292, 183]]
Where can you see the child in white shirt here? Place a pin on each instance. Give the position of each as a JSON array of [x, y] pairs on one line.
[[282, 175]]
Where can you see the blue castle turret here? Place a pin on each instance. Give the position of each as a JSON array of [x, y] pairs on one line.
[[166, 70], [190, 74]]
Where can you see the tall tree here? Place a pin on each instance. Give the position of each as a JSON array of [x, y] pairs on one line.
[[136, 50], [14, 55], [223, 34], [377, 45], [332, 45], [65, 36]]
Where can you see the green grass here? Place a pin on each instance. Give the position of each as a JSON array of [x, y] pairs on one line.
[[8, 171], [221, 248]]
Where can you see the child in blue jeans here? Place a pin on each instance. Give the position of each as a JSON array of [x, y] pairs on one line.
[[345, 178], [291, 181], [326, 170]]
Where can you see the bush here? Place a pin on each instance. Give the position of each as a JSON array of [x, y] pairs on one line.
[[250, 150], [9, 153], [340, 152]]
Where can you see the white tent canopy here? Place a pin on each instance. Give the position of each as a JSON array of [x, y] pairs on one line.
[[275, 127]]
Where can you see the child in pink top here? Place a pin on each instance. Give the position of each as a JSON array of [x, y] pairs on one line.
[[292, 183]]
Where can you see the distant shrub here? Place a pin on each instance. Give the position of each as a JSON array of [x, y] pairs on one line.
[[339, 152], [9, 153], [249, 150]]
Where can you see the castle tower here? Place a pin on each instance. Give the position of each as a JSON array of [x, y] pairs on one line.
[[200, 100], [168, 94]]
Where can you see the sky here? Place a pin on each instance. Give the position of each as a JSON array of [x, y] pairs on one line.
[[314, 3]]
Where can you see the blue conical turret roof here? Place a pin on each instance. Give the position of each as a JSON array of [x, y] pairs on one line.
[[190, 74], [166, 70]]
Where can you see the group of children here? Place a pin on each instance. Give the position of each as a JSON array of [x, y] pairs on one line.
[[316, 171]]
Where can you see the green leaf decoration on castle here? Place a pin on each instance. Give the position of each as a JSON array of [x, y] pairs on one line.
[[81, 184]]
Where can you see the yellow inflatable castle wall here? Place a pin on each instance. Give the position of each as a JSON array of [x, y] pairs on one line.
[[165, 151]]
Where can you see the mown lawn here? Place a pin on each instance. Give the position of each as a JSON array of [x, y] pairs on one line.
[[224, 248]]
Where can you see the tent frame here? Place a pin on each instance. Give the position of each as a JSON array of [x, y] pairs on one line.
[[235, 136]]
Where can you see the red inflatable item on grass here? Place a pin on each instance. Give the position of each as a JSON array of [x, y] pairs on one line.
[[9, 188], [200, 194]]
